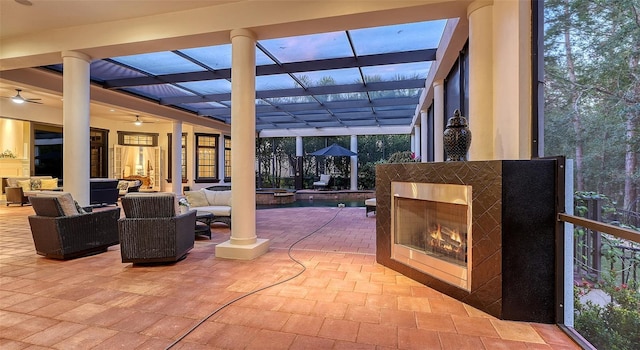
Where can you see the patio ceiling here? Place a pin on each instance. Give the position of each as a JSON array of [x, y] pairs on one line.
[[371, 77]]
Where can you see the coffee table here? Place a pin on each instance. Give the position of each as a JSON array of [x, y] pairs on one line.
[[203, 223]]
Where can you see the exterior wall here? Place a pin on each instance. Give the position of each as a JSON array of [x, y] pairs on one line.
[[14, 117]]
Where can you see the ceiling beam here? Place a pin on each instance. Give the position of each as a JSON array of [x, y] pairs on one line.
[[285, 68], [298, 107], [315, 90]]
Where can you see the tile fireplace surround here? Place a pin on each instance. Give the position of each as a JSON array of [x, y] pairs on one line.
[[513, 233]]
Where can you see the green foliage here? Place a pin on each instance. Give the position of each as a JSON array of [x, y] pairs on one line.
[[581, 199], [403, 157], [615, 325], [367, 175], [275, 158], [592, 92]]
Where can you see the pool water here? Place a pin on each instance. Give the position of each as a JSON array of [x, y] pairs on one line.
[[315, 203]]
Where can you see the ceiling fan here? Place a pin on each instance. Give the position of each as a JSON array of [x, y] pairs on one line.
[[139, 122], [20, 99]]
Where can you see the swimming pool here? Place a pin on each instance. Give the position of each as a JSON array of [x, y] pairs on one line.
[[314, 203]]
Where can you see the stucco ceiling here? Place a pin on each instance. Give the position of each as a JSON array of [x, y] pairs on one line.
[[17, 19]]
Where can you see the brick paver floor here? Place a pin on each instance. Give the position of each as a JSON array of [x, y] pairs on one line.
[[340, 299]]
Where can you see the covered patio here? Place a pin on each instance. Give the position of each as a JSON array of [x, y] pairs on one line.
[[342, 300]]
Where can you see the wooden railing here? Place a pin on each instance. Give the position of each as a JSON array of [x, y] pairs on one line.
[[598, 226]]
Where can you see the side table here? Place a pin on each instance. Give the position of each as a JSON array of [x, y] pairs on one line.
[[203, 223]]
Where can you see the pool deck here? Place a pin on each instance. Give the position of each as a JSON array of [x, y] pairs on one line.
[[347, 195]]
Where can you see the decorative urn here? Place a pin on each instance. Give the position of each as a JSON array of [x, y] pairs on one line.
[[457, 138]]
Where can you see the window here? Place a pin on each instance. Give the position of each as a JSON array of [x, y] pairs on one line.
[[227, 158], [184, 157], [98, 153], [206, 157]]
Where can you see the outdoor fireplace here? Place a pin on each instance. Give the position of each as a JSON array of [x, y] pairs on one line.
[[431, 230], [482, 232]]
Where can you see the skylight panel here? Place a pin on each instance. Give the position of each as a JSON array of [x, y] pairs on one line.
[[396, 72], [309, 47], [400, 37], [347, 96], [159, 91], [395, 93], [204, 105], [205, 87], [275, 82], [330, 77], [215, 57], [290, 100], [262, 59], [159, 63], [352, 110], [105, 70], [409, 108]]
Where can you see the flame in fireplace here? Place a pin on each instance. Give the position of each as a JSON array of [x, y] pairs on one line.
[[447, 239]]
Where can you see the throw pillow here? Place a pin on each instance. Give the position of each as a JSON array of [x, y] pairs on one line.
[[25, 184], [123, 185], [196, 198], [67, 204], [48, 184], [36, 183]]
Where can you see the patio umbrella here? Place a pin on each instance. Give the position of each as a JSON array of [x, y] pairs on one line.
[[334, 150]]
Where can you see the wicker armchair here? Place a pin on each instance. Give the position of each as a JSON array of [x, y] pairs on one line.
[[151, 231], [60, 233]]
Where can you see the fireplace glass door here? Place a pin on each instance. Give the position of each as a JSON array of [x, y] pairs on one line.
[[434, 228], [431, 229]]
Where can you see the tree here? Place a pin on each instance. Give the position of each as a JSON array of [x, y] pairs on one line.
[[592, 51]]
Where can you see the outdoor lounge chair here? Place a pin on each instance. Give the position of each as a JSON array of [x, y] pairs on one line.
[[323, 182], [61, 232], [370, 206], [151, 231]]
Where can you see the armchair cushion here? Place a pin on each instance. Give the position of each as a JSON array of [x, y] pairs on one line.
[[67, 204], [13, 181], [46, 208], [218, 197], [64, 201], [196, 198]]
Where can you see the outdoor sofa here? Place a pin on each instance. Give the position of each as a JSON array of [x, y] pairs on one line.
[[19, 189], [217, 203]]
